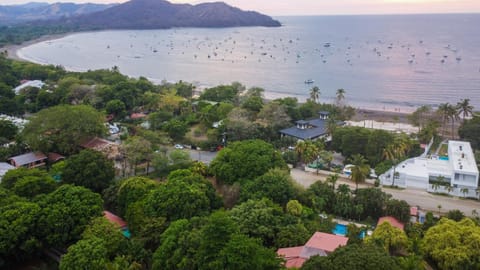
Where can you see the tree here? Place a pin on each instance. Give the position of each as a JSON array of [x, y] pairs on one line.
[[18, 231], [244, 253], [332, 179], [276, 185], [464, 108], [340, 96], [452, 245], [258, 219], [63, 128], [455, 215], [117, 108], [245, 160], [176, 129], [132, 190], [273, 114], [353, 257], [13, 176], [373, 201], [184, 195], [469, 131], [65, 214], [31, 186], [392, 239], [398, 209], [8, 130], [443, 110], [360, 169], [315, 94], [137, 149], [453, 116], [89, 253], [110, 233], [89, 169]]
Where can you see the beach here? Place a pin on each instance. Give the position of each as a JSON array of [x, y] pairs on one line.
[[12, 50]]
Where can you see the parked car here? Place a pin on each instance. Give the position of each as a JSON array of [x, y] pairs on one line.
[[178, 146]]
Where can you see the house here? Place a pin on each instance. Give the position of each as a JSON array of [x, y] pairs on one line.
[[26, 83], [54, 158], [4, 168], [309, 129], [393, 221], [29, 160], [455, 174], [109, 149], [122, 224], [320, 244]]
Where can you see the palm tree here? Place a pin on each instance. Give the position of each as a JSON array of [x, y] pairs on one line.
[[464, 108], [315, 94], [332, 179], [396, 151], [443, 111], [453, 115], [360, 169], [340, 96]]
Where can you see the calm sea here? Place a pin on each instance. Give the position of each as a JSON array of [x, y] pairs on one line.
[[383, 62]]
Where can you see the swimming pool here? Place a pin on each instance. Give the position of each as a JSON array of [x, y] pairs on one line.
[[443, 157], [341, 229]]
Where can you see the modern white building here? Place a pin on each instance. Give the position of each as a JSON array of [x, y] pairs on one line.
[[35, 83], [455, 174]]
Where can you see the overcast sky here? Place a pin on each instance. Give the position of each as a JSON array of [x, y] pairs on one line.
[[314, 7]]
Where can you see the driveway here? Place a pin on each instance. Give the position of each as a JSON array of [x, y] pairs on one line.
[[414, 197]]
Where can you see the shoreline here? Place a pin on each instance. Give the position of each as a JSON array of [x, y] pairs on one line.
[[12, 50], [361, 113]]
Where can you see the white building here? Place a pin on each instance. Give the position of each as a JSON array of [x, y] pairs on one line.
[[456, 174], [35, 83]]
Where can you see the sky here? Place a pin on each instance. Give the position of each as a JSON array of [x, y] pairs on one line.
[[324, 7]]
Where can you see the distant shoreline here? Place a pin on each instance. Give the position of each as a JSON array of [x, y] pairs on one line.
[[12, 50], [385, 115]]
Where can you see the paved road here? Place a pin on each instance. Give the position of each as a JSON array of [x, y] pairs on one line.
[[203, 156], [418, 197]]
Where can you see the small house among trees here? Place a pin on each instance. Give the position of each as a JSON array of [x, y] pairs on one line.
[[29, 160], [310, 129]]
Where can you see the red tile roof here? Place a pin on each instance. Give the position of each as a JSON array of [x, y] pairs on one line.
[[95, 143], [413, 211], [326, 241], [137, 115], [292, 256], [54, 157], [115, 219], [319, 244], [393, 221]]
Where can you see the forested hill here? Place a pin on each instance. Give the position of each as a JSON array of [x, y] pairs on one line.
[[159, 14], [13, 14]]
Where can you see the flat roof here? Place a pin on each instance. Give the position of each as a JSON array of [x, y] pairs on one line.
[[28, 158], [461, 156]]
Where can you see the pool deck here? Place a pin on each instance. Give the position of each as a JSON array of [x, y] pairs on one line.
[[345, 222]]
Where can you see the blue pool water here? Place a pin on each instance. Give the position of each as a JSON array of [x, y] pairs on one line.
[[341, 229], [443, 158]]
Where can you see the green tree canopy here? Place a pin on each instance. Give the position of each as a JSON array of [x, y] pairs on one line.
[[90, 253], [90, 169], [132, 190], [18, 239], [63, 128], [469, 131], [453, 245], [390, 238], [358, 257], [246, 160], [65, 214], [276, 185]]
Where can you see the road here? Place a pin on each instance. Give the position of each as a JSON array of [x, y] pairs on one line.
[[414, 197], [203, 156], [421, 198]]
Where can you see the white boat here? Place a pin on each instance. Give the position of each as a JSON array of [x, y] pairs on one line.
[[309, 81]]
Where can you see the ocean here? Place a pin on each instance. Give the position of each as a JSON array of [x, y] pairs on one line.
[[389, 62]]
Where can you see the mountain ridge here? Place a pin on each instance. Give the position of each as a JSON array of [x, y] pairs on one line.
[[161, 14]]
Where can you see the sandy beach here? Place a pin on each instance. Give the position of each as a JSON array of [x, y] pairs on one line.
[[12, 50]]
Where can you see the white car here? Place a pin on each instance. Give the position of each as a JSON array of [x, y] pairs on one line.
[[178, 146]]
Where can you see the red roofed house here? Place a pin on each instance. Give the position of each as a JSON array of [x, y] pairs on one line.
[[320, 244], [118, 221], [134, 116], [393, 221], [29, 160]]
